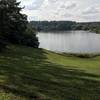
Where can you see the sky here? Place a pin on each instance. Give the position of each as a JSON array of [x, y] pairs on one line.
[[74, 10]]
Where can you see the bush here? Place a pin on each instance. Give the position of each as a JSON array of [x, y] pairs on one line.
[[27, 38], [30, 40]]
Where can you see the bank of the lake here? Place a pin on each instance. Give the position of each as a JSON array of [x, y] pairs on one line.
[[37, 74]]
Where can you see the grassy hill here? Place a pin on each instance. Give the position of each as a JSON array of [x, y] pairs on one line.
[[37, 74]]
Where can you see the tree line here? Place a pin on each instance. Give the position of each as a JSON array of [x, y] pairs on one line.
[[14, 27], [91, 26], [52, 25], [65, 26]]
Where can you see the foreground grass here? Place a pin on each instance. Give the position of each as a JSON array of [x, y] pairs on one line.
[[37, 74]]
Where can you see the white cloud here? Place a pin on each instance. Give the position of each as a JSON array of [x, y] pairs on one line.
[[78, 10], [35, 4], [69, 5], [91, 10]]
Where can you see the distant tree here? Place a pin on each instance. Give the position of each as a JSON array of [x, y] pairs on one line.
[[53, 25], [65, 26]]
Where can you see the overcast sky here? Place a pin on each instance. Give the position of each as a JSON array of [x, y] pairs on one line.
[[75, 10]]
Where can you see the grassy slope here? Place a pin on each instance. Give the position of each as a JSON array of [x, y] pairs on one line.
[[27, 73]]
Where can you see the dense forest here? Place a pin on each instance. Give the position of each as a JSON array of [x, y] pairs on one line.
[[53, 25], [91, 26], [65, 26]]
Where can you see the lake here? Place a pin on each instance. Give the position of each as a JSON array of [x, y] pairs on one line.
[[70, 41]]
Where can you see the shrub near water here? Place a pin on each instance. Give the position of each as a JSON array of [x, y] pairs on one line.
[[29, 38]]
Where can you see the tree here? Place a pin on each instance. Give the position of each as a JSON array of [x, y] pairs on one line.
[[13, 23]]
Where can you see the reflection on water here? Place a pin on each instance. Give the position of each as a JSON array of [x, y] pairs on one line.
[[71, 41]]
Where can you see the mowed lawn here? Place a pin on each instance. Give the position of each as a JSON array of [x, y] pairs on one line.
[[36, 74]]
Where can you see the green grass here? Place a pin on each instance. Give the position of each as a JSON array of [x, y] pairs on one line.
[[37, 74]]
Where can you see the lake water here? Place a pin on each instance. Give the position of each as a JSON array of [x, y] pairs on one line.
[[70, 41]]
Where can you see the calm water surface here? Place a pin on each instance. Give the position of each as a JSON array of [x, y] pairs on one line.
[[70, 41]]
